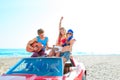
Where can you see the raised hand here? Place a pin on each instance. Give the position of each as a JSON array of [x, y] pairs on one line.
[[61, 18], [60, 22]]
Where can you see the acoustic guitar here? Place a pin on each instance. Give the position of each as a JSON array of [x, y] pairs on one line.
[[36, 45]]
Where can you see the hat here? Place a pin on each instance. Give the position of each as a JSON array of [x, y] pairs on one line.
[[70, 31]]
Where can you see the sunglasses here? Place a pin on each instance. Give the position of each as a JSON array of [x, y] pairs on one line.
[[69, 33]]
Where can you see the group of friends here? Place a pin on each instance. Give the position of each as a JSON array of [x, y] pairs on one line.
[[62, 48]]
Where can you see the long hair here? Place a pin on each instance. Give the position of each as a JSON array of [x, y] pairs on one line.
[[62, 28], [60, 35]]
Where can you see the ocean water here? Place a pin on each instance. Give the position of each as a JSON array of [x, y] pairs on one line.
[[24, 53], [14, 53]]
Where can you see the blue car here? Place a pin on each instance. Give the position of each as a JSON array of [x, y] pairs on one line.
[[45, 69]]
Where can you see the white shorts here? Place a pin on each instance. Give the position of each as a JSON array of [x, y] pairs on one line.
[[59, 48]]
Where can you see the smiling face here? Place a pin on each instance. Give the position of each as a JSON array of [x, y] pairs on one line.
[[62, 31], [41, 33], [69, 35]]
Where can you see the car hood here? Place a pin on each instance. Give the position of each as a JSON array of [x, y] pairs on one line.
[[29, 77]]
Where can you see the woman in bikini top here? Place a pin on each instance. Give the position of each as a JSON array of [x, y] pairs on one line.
[[61, 38], [62, 34]]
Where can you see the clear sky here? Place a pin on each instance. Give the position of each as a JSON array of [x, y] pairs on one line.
[[96, 23]]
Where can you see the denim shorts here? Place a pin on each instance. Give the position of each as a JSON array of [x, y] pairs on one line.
[[65, 55]]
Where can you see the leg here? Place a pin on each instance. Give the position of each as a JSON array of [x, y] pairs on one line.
[[42, 53], [64, 60], [65, 55], [51, 53], [66, 67], [35, 54], [57, 54]]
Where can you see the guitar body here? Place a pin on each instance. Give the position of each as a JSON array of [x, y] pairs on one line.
[[36, 45]]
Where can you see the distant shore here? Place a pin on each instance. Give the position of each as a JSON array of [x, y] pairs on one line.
[[105, 67]]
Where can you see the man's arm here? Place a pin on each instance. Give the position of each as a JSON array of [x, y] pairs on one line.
[[47, 47]]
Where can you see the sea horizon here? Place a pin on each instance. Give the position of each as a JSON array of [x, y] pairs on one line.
[[21, 52]]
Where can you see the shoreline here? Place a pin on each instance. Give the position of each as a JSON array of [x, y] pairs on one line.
[[98, 67]]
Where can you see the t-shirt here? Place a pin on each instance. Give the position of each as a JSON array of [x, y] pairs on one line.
[[43, 42]]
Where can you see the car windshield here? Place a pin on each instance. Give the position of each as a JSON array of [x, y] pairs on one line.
[[38, 66]]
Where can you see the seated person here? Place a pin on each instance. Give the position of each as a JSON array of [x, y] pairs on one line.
[[67, 47], [60, 42], [41, 39]]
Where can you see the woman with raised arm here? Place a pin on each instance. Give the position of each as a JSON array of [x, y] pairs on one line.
[[62, 34], [60, 41]]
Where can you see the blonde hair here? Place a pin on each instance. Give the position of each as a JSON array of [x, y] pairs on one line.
[[62, 28]]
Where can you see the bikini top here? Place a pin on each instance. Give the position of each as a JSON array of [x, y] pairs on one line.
[[67, 41], [61, 40]]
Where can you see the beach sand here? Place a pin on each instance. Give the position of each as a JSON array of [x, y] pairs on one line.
[[98, 67]]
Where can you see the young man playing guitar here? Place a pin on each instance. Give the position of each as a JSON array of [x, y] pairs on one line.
[[38, 45]]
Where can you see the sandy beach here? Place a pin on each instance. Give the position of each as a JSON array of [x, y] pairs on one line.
[[98, 67]]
